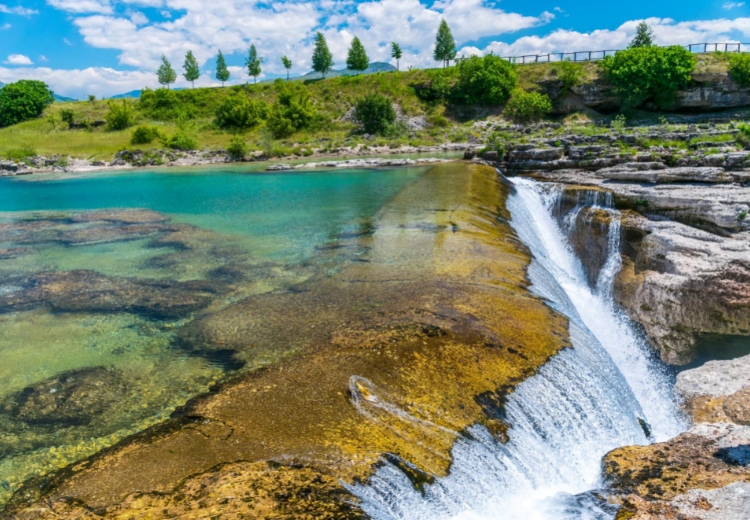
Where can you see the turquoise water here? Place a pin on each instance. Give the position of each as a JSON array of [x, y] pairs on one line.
[[99, 272], [283, 214]]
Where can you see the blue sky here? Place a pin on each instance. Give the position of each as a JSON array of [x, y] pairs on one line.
[[105, 47]]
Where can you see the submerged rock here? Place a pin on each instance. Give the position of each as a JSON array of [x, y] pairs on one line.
[[70, 398], [89, 291]]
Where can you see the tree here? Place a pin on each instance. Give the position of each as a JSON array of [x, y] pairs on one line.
[[644, 36], [253, 63], [322, 59], [23, 100], [445, 45], [192, 70], [293, 109], [166, 73], [485, 81], [357, 59], [222, 72], [396, 53], [287, 65]]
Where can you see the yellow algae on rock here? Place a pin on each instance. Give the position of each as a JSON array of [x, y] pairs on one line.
[[419, 330]]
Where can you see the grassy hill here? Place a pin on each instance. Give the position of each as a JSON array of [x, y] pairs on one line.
[[333, 98]]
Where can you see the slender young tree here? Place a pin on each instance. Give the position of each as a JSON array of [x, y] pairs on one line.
[[287, 65], [396, 54], [644, 36], [192, 70], [253, 63], [166, 73], [357, 59], [222, 72], [322, 59], [445, 45]]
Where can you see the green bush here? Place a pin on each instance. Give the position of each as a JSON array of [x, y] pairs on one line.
[[120, 116], [569, 73], [485, 81], [739, 68], [237, 148], [184, 138], [68, 116], [528, 106], [23, 100], [240, 112], [644, 73], [161, 104], [438, 120], [439, 88], [375, 112], [145, 135], [19, 154], [292, 111]]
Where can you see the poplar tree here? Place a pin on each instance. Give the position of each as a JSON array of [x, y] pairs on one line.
[[222, 72], [322, 59], [396, 53], [357, 59], [166, 73], [192, 70], [644, 36], [253, 63], [445, 45], [287, 65]]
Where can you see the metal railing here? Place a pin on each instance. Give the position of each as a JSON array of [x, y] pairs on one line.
[[698, 48]]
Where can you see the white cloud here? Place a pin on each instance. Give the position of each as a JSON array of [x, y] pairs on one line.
[[667, 32], [67, 42], [731, 5], [138, 18], [22, 11], [18, 59], [99, 81], [42, 57], [82, 6], [5, 27]]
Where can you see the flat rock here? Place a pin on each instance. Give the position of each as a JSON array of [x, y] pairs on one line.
[[626, 172], [279, 167], [715, 379]]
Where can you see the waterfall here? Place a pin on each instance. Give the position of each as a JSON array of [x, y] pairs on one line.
[[605, 392]]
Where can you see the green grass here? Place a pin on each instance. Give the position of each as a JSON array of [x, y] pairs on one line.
[[653, 143], [720, 138]]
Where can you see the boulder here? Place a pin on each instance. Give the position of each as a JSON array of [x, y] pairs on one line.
[[737, 406]]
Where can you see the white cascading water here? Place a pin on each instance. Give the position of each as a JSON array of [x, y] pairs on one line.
[[603, 393]]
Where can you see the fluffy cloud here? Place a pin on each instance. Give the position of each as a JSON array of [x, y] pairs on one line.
[[667, 31], [285, 28], [22, 11], [731, 5], [18, 59], [93, 80], [82, 6]]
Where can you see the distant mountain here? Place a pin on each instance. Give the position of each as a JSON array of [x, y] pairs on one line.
[[377, 66], [131, 94]]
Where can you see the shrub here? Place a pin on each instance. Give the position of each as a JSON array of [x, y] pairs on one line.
[[240, 112], [618, 123], [375, 112], [184, 138], [439, 88], [68, 116], [120, 116], [292, 111], [160, 104], [570, 74], [485, 81], [644, 73], [528, 106], [23, 100], [739, 68], [19, 154], [237, 148], [145, 135], [438, 120]]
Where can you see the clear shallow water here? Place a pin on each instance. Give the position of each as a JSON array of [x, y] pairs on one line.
[[223, 234], [603, 393], [282, 215]]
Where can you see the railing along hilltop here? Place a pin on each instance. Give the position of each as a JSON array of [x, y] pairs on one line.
[[698, 48]]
